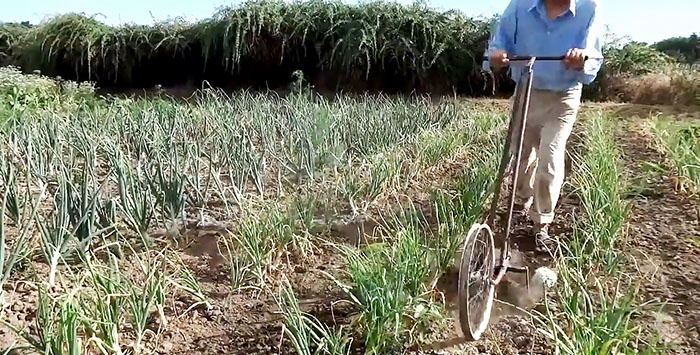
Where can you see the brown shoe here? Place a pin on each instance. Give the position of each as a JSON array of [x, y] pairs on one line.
[[522, 207], [544, 242]]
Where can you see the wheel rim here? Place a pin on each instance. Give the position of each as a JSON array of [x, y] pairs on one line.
[[476, 292]]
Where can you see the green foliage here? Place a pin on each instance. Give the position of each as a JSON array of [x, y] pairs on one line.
[[10, 34], [625, 58], [387, 279], [21, 92], [156, 158], [634, 58], [354, 41], [372, 45], [684, 49], [32, 94], [679, 141]]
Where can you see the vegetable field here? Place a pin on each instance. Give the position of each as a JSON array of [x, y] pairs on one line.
[[251, 222]]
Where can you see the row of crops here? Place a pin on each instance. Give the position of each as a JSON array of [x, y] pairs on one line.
[[374, 45], [100, 196]]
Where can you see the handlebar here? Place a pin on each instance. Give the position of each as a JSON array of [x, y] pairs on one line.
[[517, 58]]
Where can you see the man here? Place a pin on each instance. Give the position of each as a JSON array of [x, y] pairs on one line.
[[548, 28]]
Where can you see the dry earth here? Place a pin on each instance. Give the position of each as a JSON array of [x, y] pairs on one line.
[[663, 232]]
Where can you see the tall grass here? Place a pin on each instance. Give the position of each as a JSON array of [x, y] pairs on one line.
[[307, 334], [600, 184], [355, 42]]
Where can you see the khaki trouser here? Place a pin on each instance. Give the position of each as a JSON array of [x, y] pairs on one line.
[[551, 117]]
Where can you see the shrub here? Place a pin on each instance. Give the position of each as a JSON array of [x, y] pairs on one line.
[[19, 92], [386, 44], [673, 85], [639, 73]]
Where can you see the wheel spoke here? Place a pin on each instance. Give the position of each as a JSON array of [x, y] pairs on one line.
[[476, 273]]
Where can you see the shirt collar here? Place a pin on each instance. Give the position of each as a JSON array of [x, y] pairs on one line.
[[535, 4]]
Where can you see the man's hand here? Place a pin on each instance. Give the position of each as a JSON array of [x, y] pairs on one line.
[[575, 59], [498, 59]]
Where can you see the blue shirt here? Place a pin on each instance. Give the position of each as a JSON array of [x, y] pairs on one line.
[[525, 30]]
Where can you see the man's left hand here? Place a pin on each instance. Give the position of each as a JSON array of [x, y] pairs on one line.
[[575, 59]]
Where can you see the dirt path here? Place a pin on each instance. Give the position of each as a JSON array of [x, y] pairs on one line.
[[663, 227]]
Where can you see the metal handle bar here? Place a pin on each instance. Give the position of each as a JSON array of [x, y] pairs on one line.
[[517, 58]]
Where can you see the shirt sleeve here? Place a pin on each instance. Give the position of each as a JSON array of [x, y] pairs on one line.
[[502, 33], [592, 44], [502, 39]]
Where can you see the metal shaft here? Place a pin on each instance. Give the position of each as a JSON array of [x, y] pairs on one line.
[[505, 252], [505, 159], [518, 155]]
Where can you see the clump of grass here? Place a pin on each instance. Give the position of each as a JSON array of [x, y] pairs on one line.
[[250, 251], [104, 306], [601, 185], [386, 283], [679, 142], [147, 296], [596, 315], [307, 334], [22, 211], [276, 234], [458, 209]]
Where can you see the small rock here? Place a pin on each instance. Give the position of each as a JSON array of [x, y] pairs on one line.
[[167, 346], [213, 313], [521, 341]]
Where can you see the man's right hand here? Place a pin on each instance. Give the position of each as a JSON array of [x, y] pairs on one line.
[[498, 59]]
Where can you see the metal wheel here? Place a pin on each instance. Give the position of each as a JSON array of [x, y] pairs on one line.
[[476, 291]]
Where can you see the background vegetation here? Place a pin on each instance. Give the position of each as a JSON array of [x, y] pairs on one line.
[[375, 46]]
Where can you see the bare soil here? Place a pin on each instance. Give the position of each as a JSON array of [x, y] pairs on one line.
[[663, 232]]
